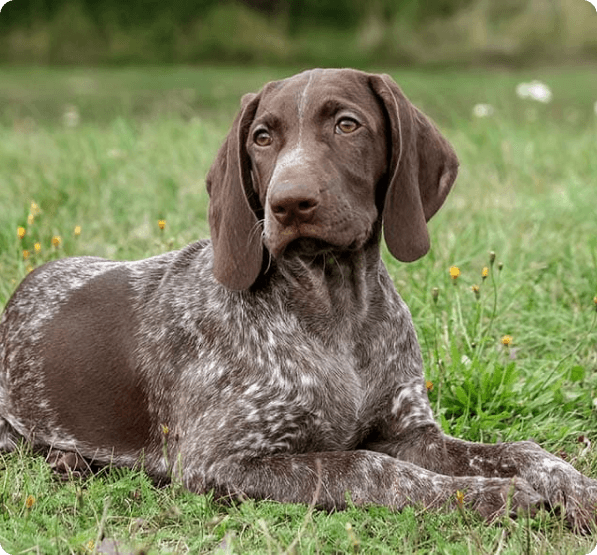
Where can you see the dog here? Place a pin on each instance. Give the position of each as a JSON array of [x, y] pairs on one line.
[[275, 361]]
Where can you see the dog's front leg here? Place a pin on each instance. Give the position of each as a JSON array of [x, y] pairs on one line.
[[554, 479], [325, 479]]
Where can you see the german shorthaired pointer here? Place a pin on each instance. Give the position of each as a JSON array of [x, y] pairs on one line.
[[276, 361]]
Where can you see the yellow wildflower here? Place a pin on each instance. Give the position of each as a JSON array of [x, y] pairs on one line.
[[25, 255], [429, 385], [165, 429], [30, 219], [35, 209], [435, 294], [37, 247], [352, 536], [484, 272], [56, 241], [460, 497], [30, 501], [162, 224], [454, 272], [506, 340], [476, 290], [21, 232], [77, 230]]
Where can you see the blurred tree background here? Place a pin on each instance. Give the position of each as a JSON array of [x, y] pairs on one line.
[[322, 32]]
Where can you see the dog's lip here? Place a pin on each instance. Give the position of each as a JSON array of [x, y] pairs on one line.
[[309, 239], [313, 246]]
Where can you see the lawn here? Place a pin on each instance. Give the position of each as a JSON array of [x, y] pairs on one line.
[[92, 159]]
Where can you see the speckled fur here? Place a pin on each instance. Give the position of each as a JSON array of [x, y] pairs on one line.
[[301, 385]]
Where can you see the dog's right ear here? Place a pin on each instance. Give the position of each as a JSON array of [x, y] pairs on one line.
[[235, 231]]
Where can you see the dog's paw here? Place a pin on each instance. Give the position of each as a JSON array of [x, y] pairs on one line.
[[494, 497], [578, 501], [67, 463]]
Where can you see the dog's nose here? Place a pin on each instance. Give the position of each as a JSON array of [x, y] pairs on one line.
[[292, 203]]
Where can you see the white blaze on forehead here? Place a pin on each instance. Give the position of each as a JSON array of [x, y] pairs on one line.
[[302, 101], [297, 154], [291, 158]]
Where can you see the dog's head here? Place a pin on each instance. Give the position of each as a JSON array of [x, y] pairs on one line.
[[320, 161]]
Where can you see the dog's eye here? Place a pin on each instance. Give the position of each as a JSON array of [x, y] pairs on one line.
[[262, 138], [347, 125]]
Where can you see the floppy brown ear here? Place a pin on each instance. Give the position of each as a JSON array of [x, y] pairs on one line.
[[236, 237], [422, 169]]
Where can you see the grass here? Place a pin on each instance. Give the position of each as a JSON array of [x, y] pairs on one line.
[[138, 153]]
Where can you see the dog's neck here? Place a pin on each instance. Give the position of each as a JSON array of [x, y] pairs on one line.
[[332, 293]]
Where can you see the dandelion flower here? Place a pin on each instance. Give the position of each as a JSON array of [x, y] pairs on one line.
[[483, 110], [507, 340], [535, 90], [30, 501], [56, 241], [162, 224], [435, 294], [522, 90], [35, 210], [71, 116], [454, 272], [352, 536], [30, 219], [77, 230], [115, 153], [21, 232], [429, 385], [37, 247], [484, 272], [25, 255], [460, 497], [540, 92]]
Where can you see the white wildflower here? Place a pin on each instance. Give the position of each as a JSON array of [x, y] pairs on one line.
[[115, 153], [483, 110], [535, 90], [71, 116]]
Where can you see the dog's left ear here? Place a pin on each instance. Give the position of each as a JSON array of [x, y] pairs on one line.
[[233, 207], [422, 169]]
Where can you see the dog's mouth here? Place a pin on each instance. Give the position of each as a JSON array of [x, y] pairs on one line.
[[308, 246]]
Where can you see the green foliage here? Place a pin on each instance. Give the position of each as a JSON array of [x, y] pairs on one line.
[[114, 151], [311, 32]]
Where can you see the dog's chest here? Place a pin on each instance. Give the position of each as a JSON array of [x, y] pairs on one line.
[[312, 401], [269, 386], [260, 374]]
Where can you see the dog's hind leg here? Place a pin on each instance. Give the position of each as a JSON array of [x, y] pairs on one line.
[[9, 437], [68, 463]]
